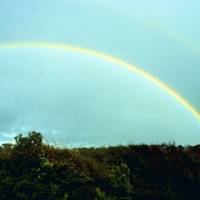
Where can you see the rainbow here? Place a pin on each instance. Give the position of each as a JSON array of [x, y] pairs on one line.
[[109, 58]]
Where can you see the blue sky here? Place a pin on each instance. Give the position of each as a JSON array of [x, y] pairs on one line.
[[75, 99]]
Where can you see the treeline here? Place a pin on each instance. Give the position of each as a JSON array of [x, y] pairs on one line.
[[31, 170]]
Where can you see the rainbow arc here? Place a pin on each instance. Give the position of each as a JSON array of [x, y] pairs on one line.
[[131, 67]]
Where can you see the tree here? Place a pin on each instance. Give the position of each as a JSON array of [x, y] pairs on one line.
[[28, 149]]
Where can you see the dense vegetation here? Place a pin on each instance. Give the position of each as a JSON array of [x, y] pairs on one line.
[[31, 170]]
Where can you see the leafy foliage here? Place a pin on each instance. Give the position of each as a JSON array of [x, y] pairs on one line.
[[31, 170]]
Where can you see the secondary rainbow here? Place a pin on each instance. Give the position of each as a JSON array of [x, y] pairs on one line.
[[117, 61]]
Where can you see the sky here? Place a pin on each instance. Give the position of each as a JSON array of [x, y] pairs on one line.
[[76, 99]]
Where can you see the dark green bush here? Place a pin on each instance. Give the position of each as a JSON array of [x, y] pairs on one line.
[[31, 170]]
